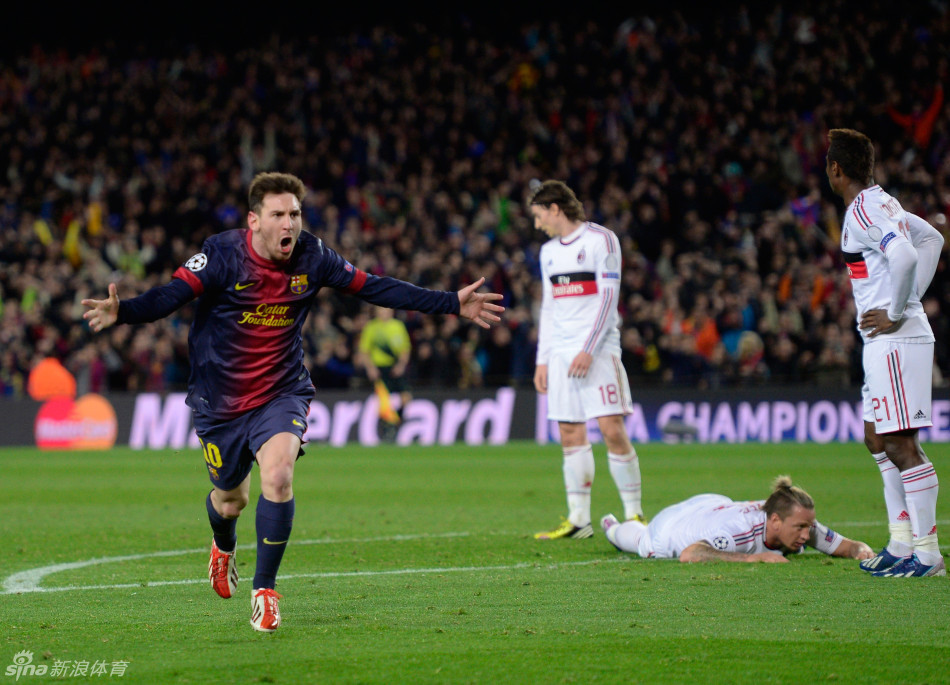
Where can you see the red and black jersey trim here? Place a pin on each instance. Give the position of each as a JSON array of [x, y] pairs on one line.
[[359, 280], [188, 277], [857, 267], [574, 284]]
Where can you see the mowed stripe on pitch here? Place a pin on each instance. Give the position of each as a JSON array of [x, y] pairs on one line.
[[28, 581]]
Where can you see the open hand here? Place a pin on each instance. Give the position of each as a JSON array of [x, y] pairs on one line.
[[478, 307], [102, 313]]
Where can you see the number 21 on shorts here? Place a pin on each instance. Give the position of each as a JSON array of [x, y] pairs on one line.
[[880, 406]]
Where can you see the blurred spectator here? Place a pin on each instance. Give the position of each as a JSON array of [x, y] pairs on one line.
[[701, 142]]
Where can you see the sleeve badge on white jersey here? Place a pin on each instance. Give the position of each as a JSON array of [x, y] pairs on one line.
[[875, 234], [198, 262], [720, 542], [612, 262], [886, 240]]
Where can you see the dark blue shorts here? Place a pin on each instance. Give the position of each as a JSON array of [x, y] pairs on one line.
[[230, 447]]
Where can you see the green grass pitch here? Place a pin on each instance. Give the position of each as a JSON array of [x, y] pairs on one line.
[[417, 565]]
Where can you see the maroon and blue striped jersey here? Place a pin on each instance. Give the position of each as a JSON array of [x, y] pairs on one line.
[[245, 341]]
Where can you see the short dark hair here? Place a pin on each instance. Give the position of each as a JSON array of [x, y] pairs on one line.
[[854, 153], [786, 497], [273, 183], [557, 193]]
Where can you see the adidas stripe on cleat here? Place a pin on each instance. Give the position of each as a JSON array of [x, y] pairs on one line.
[[265, 615], [883, 560], [566, 530], [222, 571], [911, 567]]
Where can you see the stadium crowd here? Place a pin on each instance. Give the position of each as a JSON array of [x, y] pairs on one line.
[[699, 140]]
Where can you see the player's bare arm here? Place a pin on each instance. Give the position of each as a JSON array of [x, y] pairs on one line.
[[478, 307], [876, 321], [102, 313], [703, 551], [853, 549]]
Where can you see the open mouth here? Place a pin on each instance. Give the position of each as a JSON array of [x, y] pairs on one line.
[[286, 244]]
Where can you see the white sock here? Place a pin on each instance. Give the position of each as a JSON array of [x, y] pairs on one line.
[[901, 543], [627, 535], [578, 478], [625, 469], [920, 491]]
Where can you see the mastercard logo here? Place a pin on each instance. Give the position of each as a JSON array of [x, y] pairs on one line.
[[83, 424]]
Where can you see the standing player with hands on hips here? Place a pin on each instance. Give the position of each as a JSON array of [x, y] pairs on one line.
[[249, 390], [578, 360], [892, 256]]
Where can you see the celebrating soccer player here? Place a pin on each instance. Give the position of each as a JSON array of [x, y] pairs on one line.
[[249, 389]]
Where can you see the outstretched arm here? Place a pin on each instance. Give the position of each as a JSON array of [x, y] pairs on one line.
[[853, 549], [102, 313], [478, 307], [703, 551], [152, 305]]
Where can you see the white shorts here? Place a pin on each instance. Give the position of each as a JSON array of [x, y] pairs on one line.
[[898, 377], [604, 391]]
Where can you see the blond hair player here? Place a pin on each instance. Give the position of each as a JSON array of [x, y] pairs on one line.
[[713, 527]]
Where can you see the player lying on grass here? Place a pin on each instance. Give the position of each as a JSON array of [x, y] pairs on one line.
[[714, 528]]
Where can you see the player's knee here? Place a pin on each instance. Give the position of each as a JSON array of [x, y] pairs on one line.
[[874, 443], [615, 435], [232, 507], [277, 482], [903, 450]]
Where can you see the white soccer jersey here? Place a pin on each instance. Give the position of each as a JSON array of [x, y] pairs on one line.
[[581, 281], [874, 223], [725, 525]]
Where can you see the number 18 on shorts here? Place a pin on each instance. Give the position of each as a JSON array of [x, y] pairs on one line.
[[603, 392]]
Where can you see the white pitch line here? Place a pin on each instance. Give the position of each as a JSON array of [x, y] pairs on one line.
[[29, 580], [334, 574]]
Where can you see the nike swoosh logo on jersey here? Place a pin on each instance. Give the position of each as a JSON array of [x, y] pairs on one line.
[[297, 423], [268, 542], [242, 286]]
